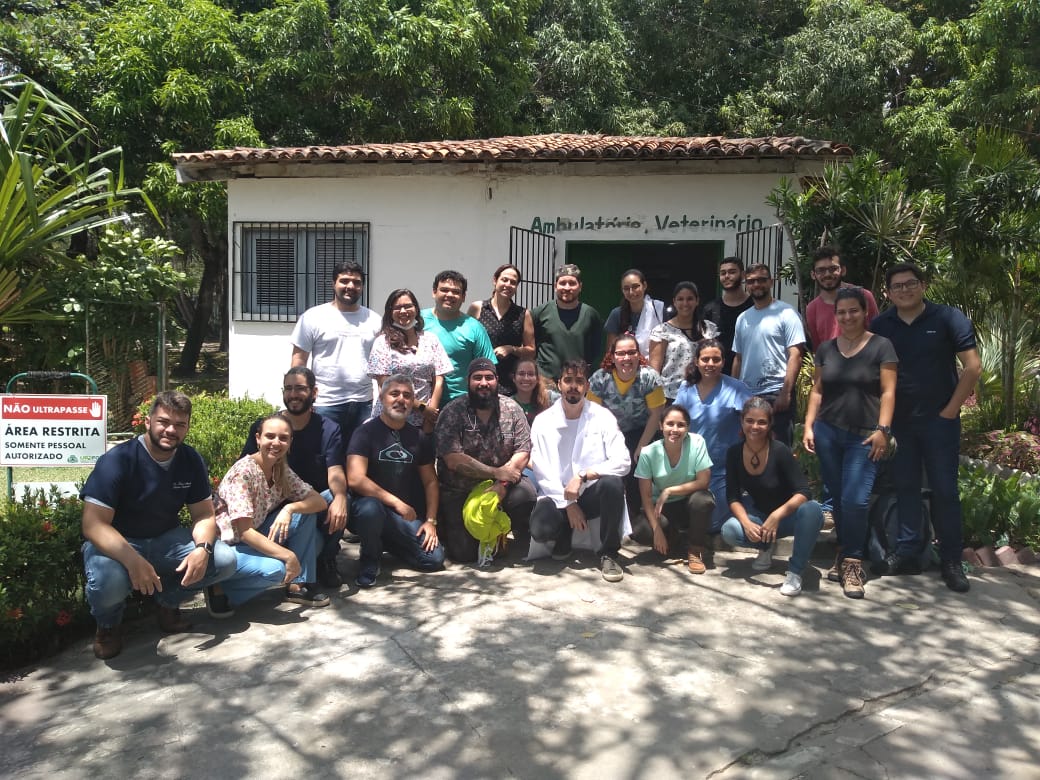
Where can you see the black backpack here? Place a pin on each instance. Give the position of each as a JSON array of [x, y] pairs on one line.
[[883, 522]]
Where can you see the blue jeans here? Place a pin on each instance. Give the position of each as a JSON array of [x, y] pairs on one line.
[[108, 582], [932, 444], [718, 489], [256, 572], [381, 528], [328, 542], [804, 525], [348, 416], [848, 472]]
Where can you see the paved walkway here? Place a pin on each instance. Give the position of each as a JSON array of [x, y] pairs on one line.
[[546, 671]]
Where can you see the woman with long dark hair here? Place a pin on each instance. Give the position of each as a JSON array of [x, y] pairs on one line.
[[671, 342], [509, 325], [403, 347], [763, 472], [637, 314], [532, 392]]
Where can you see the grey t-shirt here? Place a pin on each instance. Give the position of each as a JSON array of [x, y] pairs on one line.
[[852, 386]]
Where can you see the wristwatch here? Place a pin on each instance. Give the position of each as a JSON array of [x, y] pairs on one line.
[[885, 429], [207, 546], [432, 521]]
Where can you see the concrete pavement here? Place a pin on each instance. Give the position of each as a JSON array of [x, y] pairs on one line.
[[543, 670]]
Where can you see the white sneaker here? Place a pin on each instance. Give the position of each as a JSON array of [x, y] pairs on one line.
[[792, 585], [764, 559], [485, 555]]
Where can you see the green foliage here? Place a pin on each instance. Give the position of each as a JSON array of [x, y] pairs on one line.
[[998, 510], [219, 426], [1015, 449], [41, 575]]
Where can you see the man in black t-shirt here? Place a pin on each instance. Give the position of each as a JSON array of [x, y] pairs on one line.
[[317, 456], [733, 302], [393, 487]]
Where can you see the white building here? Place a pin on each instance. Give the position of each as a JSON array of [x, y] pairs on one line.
[[672, 207]]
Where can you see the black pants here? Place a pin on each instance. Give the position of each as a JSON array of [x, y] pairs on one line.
[[693, 515], [604, 498], [463, 548]]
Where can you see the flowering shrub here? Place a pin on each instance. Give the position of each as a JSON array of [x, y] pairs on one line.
[[1017, 449], [41, 576]]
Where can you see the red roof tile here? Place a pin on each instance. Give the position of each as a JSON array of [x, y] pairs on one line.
[[553, 147]]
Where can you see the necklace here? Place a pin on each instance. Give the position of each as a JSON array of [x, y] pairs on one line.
[[852, 345], [754, 460]]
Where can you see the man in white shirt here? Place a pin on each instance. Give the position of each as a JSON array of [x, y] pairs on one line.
[[335, 338], [579, 459]]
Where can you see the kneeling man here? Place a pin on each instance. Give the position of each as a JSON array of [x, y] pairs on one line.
[[134, 537], [579, 458], [392, 485]]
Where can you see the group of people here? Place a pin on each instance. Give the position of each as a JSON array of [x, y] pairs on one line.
[[492, 422]]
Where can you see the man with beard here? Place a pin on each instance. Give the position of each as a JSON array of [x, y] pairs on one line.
[[566, 328], [829, 273], [579, 459], [482, 436], [462, 336], [725, 309], [316, 455], [393, 487], [134, 537], [335, 338], [768, 345]]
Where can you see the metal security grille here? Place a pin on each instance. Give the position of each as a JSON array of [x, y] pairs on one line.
[[283, 268], [765, 245], [533, 253]]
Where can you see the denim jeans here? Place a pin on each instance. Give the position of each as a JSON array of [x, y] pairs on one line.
[[932, 444], [804, 525], [256, 572], [381, 528], [328, 542], [848, 472], [604, 499], [349, 416], [718, 489], [108, 582]]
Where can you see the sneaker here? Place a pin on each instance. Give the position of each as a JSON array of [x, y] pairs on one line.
[[217, 604], [108, 642], [307, 596], [612, 571], [834, 572], [792, 584], [695, 560], [328, 574], [852, 578], [485, 555], [764, 559], [562, 547], [367, 576], [954, 577]]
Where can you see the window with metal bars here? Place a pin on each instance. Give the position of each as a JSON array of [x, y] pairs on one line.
[[284, 268]]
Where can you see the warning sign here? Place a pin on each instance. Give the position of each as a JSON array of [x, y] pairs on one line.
[[52, 430]]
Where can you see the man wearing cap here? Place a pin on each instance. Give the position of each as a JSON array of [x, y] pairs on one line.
[[482, 436], [566, 328]]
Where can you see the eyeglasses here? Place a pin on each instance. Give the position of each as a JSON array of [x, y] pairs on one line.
[[913, 284], [632, 288], [403, 307], [295, 388], [830, 270], [757, 280], [627, 353]]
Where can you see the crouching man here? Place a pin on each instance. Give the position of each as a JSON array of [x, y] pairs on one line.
[[134, 538], [393, 487]]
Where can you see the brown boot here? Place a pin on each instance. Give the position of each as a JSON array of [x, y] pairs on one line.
[[695, 560], [170, 620], [108, 642], [834, 572], [852, 578]]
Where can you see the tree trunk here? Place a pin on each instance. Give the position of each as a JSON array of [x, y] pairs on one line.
[[214, 260]]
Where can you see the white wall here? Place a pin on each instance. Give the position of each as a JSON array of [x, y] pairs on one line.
[[425, 219]]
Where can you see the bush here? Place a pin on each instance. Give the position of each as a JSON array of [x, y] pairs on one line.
[[219, 426], [41, 576], [1018, 449], [999, 511]]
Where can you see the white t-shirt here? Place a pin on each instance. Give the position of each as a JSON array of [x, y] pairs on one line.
[[762, 338], [339, 343]]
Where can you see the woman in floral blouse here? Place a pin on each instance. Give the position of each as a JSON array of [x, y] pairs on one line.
[[268, 514]]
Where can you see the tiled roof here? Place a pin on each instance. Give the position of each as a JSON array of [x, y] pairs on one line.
[[546, 148]]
